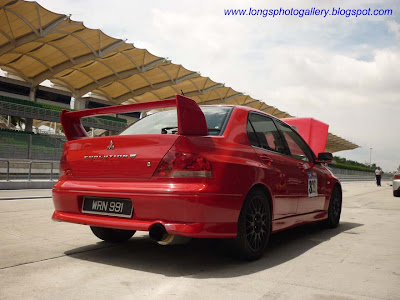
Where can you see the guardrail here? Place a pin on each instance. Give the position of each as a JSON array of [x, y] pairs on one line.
[[8, 151], [355, 175], [30, 164], [24, 145]]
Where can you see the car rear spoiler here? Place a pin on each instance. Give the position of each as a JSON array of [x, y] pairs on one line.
[[191, 120]]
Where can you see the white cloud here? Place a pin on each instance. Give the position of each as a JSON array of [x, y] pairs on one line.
[[395, 28], [360, 100]]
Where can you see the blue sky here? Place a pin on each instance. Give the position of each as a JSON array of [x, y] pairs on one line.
[[343, 71]]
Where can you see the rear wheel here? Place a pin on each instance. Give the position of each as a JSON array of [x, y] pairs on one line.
[[112, 235], [396, 193], [335, 208], [254, 226]]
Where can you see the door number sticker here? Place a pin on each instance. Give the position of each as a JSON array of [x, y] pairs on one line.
[[312, 185]]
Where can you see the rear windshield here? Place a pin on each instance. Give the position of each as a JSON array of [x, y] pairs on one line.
[[165, 122]]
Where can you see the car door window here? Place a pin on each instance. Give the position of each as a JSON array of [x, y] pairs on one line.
[[298, 148], [252, 135], [263, 133]]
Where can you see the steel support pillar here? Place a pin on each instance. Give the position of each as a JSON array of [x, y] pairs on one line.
[[78, 103], [32, 97]]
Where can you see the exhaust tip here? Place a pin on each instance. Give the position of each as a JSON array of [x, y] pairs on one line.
[[157, 232]]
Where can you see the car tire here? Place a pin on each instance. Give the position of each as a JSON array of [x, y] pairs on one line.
[[254, 226], [396, 193], [112, 235], [335, 208]]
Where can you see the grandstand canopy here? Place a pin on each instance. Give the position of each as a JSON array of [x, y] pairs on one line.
[[37, 45]]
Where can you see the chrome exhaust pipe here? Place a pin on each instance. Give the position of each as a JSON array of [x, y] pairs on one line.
[[158, 233]]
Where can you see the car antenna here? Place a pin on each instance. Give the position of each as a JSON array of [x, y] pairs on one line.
[[182, 93]]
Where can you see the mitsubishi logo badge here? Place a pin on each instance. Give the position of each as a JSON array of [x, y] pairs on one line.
[[111, 146]]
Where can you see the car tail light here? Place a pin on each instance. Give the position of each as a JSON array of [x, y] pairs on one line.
[[65, 168], [397, 176], [183, 164]]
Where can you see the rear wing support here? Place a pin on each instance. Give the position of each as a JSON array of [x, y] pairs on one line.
[[191, 120]]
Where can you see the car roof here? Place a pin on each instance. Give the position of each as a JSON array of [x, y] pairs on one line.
[[245, 108]]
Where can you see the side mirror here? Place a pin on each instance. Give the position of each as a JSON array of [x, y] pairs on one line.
[[324, 157]]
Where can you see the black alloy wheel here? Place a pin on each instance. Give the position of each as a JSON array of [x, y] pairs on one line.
[[335, 208], [254, 226]]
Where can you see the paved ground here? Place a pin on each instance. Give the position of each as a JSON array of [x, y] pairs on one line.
[[41, 259]]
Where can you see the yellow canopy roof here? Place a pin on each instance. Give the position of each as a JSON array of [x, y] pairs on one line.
[[37, 44]]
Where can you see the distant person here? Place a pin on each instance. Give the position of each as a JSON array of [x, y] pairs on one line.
[[378, 176]]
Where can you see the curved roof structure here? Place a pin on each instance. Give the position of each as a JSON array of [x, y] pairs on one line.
[[37, 45]]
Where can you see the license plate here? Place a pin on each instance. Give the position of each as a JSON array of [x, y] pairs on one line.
[[108, 206]]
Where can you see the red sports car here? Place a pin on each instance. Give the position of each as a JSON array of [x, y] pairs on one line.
[[205, 172]]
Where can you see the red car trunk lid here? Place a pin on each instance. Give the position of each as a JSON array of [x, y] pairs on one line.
[[130, 156]]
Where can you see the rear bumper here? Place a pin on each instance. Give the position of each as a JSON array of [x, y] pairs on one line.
[[183, 209], [199, 230]]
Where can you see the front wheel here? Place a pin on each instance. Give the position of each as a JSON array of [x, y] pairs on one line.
[[112, 235], [254, 226], [335, 208], [396, 193]]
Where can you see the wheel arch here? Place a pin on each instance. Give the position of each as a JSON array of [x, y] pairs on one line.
[[339, 186], [267, 192]]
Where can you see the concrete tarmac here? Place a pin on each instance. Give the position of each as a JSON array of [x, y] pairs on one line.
[[41, 259]]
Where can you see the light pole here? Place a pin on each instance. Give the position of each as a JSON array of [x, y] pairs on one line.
[[370, 155]]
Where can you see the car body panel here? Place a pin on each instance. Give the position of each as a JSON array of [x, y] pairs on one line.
[[282, 178], [309, 204], [130, 157]]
